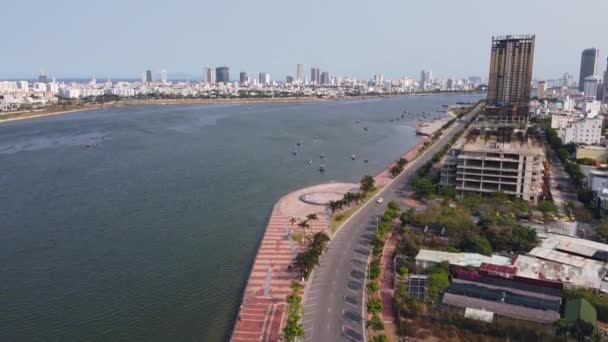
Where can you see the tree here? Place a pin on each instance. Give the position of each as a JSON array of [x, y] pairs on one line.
[[601, 232], [568, 208], [422, 187], [293, 220], [476, 244], [303, 225], [393, 205], [547, 208], [373, 286], [334, 206], [395, 170], [312, 217], [379, 338], [296, 286], [374, 306], [375, 323], [367, 183]]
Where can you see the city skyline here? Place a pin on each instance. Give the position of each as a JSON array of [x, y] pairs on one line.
[[391, 48]]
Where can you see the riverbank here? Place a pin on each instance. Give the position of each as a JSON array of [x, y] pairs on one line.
[[16, 116], [263, 307]]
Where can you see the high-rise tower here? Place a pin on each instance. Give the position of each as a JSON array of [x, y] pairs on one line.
[[589, 65], [510, 79]]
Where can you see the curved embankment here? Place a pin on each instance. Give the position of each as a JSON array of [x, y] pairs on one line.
[[263, 306]]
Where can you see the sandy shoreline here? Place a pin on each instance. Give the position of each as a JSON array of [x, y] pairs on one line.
[[133, 102]]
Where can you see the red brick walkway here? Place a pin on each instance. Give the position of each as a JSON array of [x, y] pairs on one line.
[[263, 307], [387, 287]]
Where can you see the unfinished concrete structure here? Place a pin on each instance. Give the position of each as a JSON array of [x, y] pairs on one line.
[[501, 160], [510, 79]]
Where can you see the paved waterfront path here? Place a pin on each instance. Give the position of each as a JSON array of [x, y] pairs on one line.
[[263, 306]]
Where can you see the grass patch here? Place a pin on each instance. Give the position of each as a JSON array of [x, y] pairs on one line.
[[297, 237], [339, 218]]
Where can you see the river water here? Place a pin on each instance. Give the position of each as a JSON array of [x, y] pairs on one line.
[[141, 223]]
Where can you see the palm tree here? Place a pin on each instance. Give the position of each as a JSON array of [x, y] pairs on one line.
[[303, 225], [293, 220], [333, 206], [312, 217]]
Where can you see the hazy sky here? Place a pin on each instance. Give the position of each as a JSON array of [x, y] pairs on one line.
[[121, 38]]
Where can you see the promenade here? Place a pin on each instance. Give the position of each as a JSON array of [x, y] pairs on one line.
[[263, 306]]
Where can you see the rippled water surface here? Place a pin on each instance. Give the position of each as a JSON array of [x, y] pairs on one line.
[[141, 223]]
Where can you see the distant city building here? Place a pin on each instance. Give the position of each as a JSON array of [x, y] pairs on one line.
[[590, 87], [243, 77], [325, 77], [222, 74], [163, 76], [315, 75], [42, 76], [589, 65], [540, 89], [289, 79], [475, 80], [300, 73], [605, 83], [450, 84], [149, 76], [209, 75], [568, 80], [264, 78], [510, 79]]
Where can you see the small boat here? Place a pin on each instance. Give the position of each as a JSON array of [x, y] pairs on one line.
[[299, 143], [322, 167], [309, 161], [295, 152], [366, 161], [353, 157], [365, 129], [322, 155]]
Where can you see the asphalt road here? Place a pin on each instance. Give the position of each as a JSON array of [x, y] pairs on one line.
[[334, 305]]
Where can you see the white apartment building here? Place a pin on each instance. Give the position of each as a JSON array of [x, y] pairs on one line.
[[576, 128], [488, 162], [591, 108]]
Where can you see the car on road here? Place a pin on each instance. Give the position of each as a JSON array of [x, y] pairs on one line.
[[379, 200]]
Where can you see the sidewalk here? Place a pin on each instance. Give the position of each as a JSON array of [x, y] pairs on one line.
[[387, 287]]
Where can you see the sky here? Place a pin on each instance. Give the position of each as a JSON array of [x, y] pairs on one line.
[[360, 38]]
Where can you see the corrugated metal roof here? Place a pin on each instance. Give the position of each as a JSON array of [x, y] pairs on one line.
[[502, 309]]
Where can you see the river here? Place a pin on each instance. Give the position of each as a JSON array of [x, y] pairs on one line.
[[141, 223]]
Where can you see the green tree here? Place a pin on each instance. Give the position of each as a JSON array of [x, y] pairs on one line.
[[367, 184], [375, 323], [476, 244], [547, 208], [334, 206], [379, 338], [395, 170], [422, 187], [374, 306], [373, 286]]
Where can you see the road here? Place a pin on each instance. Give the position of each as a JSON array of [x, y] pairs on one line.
[[334, 305], [562, 189]]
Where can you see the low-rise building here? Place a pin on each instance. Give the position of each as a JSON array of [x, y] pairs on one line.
[[498, 161], [598, 153], [426, 258]]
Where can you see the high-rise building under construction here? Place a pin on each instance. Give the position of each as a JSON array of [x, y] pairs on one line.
[[510, 79]]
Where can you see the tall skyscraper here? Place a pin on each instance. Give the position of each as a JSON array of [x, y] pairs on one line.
[[243, 77], [315, 75], [42, 76], [423, 80], [540, 89], [264, 78], [149, 76], [589, 65], [605, 86], [568, 80], [289, 79], [209, 75], [163, 76], [325, 77], [300, 73], [510, 79], [222, 74]]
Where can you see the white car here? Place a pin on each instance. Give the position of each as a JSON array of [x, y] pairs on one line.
[[379, 200]]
